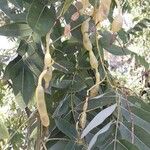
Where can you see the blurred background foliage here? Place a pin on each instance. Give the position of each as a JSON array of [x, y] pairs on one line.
[[130, 73]]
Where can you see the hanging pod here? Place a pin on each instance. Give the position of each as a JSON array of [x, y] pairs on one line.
[[101, 13], [47, 60], [41, 106], [48, 77], [93, 60], [117, 23], [87, 43], [85, 26], [82, 121]]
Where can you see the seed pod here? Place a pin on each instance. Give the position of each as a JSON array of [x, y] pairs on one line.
[[97, 76], [47, 60], [85, 106], [101, 13], [94, 91], [85, 26], [117, 23], [41, 106], [48, 77], [82, 121], [93, 60], [87, 43]]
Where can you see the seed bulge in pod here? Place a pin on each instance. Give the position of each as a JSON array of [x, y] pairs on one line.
[[94, 91], [87, 43], [48, 77], [47, 60], [82, 121], [117, 23], [41, 106], [93, 60], [85, 26]]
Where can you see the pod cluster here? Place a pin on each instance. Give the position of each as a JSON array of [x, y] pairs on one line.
[[46, 75], [99, 14]]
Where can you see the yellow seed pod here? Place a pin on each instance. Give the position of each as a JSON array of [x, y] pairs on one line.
[[94, 91], [85, 26], [85, 106], [47, 60], [41, 106], [93, 60], [82, 121], [87, 43], [97, 76], [101, 13], [117, 23], [48, 77]]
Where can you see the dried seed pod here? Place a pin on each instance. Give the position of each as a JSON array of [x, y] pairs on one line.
[[101, 13], [47, 60], [48, 77], [87, 43], [82, 120], [97, 76], [93, 60], [41, 106], [85, 106], [117, 23], [94, 91], [85, 26]]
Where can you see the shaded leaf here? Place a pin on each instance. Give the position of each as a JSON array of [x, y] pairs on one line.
[[40, 18], [15, 30], [67, 128], [93, 140]]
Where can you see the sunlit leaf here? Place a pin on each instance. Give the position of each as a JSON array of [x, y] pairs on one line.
[[98, 119]]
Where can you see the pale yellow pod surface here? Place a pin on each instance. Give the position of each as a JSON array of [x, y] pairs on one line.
[[85, 106], [93, 60], [117, 23], [48, 77], [82, 121], [94, 91], [101, 13], [47, 60], [87, 43], [41, 106], [85, 26], [97, 75], [45, 120]]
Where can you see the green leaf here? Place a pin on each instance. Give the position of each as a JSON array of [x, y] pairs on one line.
[[58, 146], [22, 78], [139, 115], [4, 134], [141, 137], [94, 138], [99, 101], [66, 5], [40, 18], [67, 128], [120, 145], [98, 119], [15, 30], [116, 50], [141, 60]]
